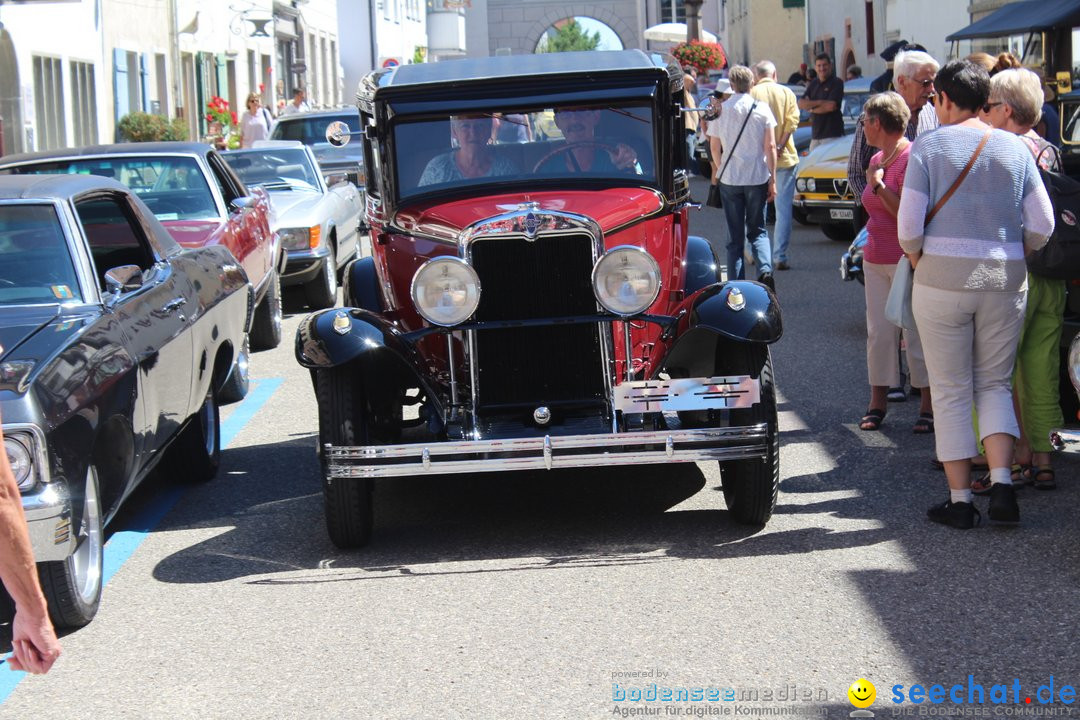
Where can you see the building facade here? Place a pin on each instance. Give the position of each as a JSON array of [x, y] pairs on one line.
[[752, 29]]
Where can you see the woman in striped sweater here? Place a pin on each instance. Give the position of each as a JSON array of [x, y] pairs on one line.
[[970, 287]]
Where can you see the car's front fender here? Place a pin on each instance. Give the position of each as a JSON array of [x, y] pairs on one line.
[[739, 309], [368, 337]]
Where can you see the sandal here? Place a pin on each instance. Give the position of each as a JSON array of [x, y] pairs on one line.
[[924, 425], [981, 485], [872, 419], [1042, 478]]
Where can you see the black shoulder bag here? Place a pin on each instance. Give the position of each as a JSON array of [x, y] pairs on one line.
[[1059, 258]]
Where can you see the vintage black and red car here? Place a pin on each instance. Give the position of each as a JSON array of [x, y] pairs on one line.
[[534, 299], [116, 343]]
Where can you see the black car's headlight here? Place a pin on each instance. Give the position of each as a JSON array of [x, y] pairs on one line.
[[626, 280], [20, 453], [446, 291], [300, 238]]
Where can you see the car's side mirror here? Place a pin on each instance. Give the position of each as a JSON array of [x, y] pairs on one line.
[[122, 279], [241, 202], [335, 179], [338, 133]]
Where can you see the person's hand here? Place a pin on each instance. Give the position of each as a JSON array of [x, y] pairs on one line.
[[34, 644], [624, 158], [771, 194], [874, 174], [913, 258]]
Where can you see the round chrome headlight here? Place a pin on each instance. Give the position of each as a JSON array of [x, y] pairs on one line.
[[21, 461], [446, 291], [626, 280], [811, 186], [800, 184]]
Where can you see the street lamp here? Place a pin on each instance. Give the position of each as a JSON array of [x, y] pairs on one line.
[[693, 19]]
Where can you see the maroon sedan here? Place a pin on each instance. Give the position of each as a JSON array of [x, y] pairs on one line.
[[198, 198]]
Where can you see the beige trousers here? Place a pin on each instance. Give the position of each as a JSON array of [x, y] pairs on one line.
[[883, 338], [970, 340]]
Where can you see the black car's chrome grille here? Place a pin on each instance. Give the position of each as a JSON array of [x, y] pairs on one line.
[[524, 280]]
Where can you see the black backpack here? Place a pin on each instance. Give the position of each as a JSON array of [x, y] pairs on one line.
[[1059, 258]]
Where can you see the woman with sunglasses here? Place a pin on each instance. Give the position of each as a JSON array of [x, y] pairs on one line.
[[886, 118], [987, 208], [1015, 105], [255, 123]]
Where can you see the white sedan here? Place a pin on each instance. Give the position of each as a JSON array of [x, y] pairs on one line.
[[317, 218]]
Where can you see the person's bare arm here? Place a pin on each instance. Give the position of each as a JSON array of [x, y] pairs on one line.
[[806, 103], [716, 150], [770, 160], [34, 644], [823, 106]]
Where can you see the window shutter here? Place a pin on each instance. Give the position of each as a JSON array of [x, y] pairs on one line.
[[121, 106]]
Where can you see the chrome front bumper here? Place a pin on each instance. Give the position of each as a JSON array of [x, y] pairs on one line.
[[48, 516], [1065, 440], [626, 448]]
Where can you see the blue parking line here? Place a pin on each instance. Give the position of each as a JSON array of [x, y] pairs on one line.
[[123, 543]]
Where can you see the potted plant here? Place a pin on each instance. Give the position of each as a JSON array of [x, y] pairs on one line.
[[701, 55]]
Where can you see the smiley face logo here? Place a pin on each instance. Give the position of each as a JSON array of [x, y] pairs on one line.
[[862, 693]]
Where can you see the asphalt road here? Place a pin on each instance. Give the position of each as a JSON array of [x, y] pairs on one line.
[[533, 595]]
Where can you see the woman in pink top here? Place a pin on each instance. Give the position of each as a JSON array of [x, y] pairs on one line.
[[886, 117]]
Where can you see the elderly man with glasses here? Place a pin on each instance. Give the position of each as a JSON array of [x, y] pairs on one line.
[[913, 76]]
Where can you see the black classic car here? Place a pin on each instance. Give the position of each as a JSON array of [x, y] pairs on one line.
[[116, 343], [550, 313]]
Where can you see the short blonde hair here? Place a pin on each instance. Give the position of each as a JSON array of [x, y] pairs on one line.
[[986, 60], [250, 97], [741, 78], [892, 113], [1020, 89]]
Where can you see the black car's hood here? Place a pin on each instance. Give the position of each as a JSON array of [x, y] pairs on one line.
[[19, 325]]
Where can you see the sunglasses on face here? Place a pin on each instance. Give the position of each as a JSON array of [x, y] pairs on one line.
[[990, 106]]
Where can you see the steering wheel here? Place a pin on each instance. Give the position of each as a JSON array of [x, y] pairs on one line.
[[609, 149]]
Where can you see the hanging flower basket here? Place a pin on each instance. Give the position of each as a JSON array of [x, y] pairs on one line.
[[704, 56]]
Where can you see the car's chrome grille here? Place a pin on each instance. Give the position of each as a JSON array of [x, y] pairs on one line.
[[525, 280]]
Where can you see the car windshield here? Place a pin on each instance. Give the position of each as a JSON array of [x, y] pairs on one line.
[[311, 130], [522, 146], [35, 261], [275, 169], [1070, 113], [173, 187]]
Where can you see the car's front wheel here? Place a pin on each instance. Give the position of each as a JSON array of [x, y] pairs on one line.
[[751, 486], [321, 291], [347, 502], [72, 587]]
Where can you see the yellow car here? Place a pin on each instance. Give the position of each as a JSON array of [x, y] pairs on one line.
[[823, 193]]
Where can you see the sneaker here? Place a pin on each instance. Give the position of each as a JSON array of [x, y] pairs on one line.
[[767, 279], [958, 515], [1003, 507], [896, 394], [783, 265]]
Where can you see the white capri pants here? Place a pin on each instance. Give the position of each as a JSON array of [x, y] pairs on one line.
[[883, 338], [969, 340]]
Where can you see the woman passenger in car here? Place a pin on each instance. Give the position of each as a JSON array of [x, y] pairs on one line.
[[472, 158]]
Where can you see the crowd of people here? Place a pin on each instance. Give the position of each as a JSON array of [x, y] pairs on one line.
[[929, 148]]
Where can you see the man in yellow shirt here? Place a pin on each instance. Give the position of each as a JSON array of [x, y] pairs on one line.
[[785, 108]]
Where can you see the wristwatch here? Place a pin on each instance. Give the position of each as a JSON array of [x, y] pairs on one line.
[[877, 187]]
